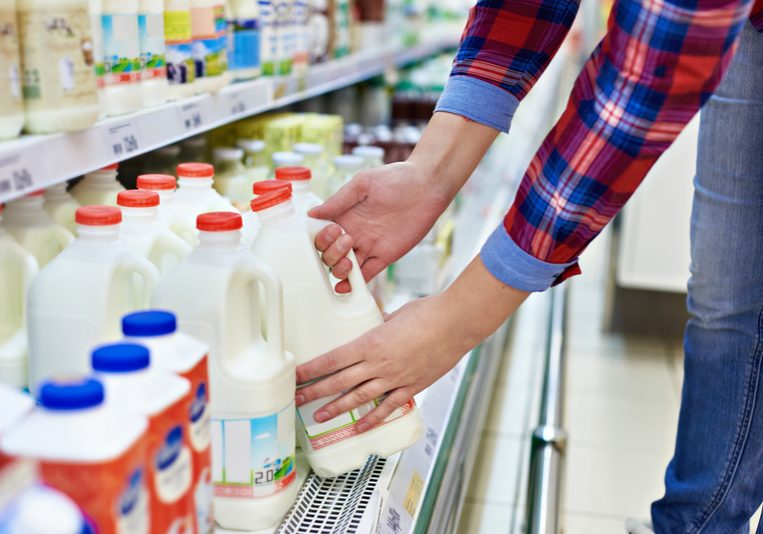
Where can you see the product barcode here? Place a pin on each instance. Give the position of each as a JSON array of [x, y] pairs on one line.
[[22, 179], [193, 121], [128, 145], [191, 117], [393, 520], [237, 107]]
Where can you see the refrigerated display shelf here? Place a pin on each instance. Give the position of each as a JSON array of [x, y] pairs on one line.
[[34, 162]]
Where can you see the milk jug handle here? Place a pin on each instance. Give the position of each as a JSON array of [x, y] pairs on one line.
[[273, 302], [144, 268], [174, 243], [356, 275], [28, 271], [63, 236]]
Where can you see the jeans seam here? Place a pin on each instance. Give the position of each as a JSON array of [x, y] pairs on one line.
[[740, 440]]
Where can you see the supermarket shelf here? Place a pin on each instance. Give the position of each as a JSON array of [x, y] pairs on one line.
[[35, 162]]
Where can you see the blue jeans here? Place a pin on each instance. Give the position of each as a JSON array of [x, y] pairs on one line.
[[714, 482]]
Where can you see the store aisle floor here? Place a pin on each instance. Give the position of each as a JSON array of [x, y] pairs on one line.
[[621, 411]]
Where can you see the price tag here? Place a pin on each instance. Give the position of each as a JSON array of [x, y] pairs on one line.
[[191, 116], [15, 175], [124, 139], [237, 103]]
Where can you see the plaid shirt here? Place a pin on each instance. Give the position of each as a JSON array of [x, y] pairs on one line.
[[657, 65]]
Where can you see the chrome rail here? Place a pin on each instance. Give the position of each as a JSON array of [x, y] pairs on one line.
[[544, 497]]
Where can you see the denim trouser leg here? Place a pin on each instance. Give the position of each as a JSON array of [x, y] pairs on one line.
[[715, 481]]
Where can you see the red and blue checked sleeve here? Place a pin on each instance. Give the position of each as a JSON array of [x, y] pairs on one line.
[[504, 49], [658, 63]]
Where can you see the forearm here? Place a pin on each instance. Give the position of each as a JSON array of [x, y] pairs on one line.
[[450, 149], [476, 304]]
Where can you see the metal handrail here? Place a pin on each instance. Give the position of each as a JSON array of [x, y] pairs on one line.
[[549, 438]]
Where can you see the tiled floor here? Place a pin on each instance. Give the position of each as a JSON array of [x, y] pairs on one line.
[[621, 410]]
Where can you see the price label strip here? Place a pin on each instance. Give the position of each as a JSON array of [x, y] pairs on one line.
[[124, 139], [192, 116], [16, 175]]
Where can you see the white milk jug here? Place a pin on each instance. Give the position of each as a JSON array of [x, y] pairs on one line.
[[195, 195], [145, 234], [136, 389], [75, 437], [251, 379], [185, 356], [31, 226], [17, 269], [251, 221], [317, 320], [164, 185], [302, 195], [61, 206], [99, 187], [79, 298]]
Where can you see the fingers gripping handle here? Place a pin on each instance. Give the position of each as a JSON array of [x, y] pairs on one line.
[[356, 275], [273, 302]]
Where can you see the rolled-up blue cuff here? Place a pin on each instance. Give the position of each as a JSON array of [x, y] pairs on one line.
[[516, 268], [479, 101]]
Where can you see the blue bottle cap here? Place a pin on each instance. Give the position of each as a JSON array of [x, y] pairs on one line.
[[71, 394], [120, 358], [149, 323]]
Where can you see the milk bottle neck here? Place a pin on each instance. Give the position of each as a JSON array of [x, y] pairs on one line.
[[57, 193], [97, 235], [166, 196], [300, 188], [275, 214], [220, 241], [25, 206], [139, 217], [100, 179], [195, 184]]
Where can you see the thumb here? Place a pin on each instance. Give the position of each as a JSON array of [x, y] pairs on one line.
[[342, 201]]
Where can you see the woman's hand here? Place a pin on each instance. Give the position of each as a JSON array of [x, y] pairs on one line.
[[386, 211], [412, 349]]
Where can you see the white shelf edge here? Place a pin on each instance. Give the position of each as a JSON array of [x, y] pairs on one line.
[[30, 162]]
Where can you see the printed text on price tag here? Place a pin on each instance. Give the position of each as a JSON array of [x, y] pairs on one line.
[[15, 175], [191, 116], [124, 139]]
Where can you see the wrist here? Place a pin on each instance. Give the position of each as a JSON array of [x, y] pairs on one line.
[[449, 150], [477, 303]]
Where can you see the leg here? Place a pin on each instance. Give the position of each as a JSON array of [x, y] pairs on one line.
[[715, 481]]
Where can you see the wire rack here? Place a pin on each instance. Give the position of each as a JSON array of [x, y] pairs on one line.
[[333, 505]]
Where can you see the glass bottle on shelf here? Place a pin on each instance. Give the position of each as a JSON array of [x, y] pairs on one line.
[[255, 159], [231, 177]]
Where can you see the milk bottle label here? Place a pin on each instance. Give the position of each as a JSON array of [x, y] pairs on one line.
[[342, 426], [10, 76], [121, 49], [171, 470], [268, 38], [58, 59], [253, 458], [133, 505], [200, 438], [152, 49], [178, 38], [209, 40], [244, 50], [119, 502]]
